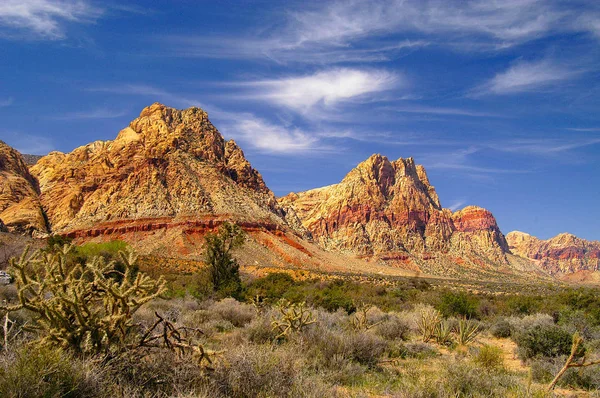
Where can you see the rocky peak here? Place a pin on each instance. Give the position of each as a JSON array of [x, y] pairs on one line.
[[382, 208], [166, 163]]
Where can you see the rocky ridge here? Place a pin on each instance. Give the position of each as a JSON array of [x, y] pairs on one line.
[[388, 210], [20, 208], [560, 255]]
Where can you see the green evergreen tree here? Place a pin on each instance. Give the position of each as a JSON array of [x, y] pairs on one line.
[[223, 268]]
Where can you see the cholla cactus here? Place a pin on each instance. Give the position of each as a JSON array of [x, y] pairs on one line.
[[360, 320], [294, 317], [85, 307]]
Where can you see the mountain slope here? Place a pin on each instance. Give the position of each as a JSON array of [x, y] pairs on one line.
[[560, 255], [20, 209], [388, 210]]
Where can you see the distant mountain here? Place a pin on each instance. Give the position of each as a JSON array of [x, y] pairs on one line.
[[388, 210], [170, 177], [30, 160], [20, 208], [563, 254]]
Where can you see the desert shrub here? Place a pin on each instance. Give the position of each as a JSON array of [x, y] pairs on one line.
[[500, 328], [417, 350], [229, 309], [520, 325], [46, 372], [462, 379], [255, 371], [223, 268], [460, 304], [489, 357], [57, 240], [393, 328], [584, 299], [272, 287], [367, 348], [330, 354], [543, 341], [260, 330], [335, 296], [523, 305], [161, 373], [543, 371]]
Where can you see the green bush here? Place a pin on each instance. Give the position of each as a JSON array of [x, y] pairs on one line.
[[543, 341], [458, 304]]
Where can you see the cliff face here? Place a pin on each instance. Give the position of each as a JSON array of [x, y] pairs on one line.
[[20, 209], [563, 254], [166, 164], [389, 210]]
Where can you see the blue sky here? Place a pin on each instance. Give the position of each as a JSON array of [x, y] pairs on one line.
[[499, 100]]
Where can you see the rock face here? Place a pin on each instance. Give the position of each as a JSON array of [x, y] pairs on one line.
[[389, 210], [563, 254], [168, 166], [20, 208]]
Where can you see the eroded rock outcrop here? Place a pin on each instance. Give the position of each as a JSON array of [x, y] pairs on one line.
[[167, 165], [389, 210], [20, 208], [563, 254]]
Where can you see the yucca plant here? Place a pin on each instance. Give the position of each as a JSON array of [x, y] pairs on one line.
[[443, 333], [428, 321], [466, 331]]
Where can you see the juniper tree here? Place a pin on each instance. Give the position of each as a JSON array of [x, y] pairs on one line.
[[223, 268]]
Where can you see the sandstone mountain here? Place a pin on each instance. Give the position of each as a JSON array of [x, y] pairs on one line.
[[166, 164], [388, 210], [20, 209], [561, 255]]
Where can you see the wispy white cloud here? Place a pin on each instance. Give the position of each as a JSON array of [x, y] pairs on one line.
[[544, 146], [326, 88], [268, 137], [6, 102], [584, 129], [527, 76], [440, 111], [457, 204], [100, 113], [44, 19], [367, 31]]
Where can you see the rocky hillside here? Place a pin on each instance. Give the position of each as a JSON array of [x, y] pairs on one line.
[[389, 210], [20, 209], [563, 254]]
